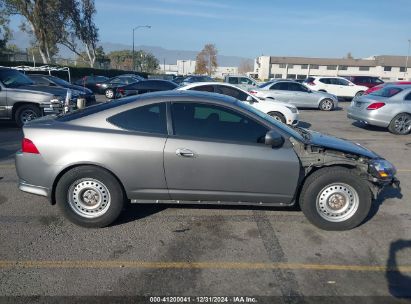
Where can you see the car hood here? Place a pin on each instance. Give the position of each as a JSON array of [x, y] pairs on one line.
[[334, 143], [45, 89], [83, 90]]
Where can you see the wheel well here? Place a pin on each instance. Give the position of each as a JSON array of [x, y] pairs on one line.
[[58, 177], [269, 97], [18, 105], [322, 91], [315, 169]]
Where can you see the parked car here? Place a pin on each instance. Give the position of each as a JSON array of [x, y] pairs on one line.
[[22, 101], [280, 111], [92, 82], [389, 107], [338, 86], [196, 78], [296, 94], [145, 86], [195, 147], [53, 81], [243, 82], [380, 86], [179, 79], [108, 87], [366, 81]]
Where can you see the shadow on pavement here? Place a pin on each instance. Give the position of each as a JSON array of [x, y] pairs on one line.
[[304, 124], [386, 193], [134, 212], [368, 127], [399, 284]]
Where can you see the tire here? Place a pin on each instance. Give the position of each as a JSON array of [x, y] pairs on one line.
[[326, 105], [26, 113], [400, 124], [277, 116], [342, 186], [75, 191], [360, 93], [109, 93]]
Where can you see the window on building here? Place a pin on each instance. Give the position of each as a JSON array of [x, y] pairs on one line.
[[282, 65], [301, 76], [290, 66], [331, 67], [304, 66], [314, 66], [402, 69], [278, 76], [343, 67], [364, 68], [291, 76], [387, 69]]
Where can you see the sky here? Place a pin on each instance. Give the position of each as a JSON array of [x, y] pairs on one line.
[[312, 28]]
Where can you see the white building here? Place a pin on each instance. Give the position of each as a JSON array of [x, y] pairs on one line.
[[188, 67], [388, 68]]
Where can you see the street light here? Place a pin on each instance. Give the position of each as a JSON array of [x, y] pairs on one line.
[[408, 54], [134, 29]]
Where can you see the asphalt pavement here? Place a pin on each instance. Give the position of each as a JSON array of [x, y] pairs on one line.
[[169, 250]]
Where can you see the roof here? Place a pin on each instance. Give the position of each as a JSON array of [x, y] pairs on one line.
[[383, 60]]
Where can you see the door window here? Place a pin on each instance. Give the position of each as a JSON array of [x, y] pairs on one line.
[[408, 97], [245, 80], [147, 119], [203, 88], [296, 87], [233, 80], [283, 86], [215, 122], [237, 94]]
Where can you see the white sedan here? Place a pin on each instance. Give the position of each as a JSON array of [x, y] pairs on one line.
[[281, 111]]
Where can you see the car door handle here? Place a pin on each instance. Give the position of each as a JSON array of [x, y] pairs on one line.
[[184, 152]]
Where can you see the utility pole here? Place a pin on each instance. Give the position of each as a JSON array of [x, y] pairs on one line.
[[408, 54], [134, 29]]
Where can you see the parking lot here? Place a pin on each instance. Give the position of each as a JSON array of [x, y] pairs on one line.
[[160, 250]]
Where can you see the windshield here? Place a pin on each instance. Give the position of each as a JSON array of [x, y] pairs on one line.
[[60, 81], [14, 79], [294, 132], [387, 92]]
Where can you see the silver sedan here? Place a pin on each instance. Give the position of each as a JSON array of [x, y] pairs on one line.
[[297, 94], [389, 107]]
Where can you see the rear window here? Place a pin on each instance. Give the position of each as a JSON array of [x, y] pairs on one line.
[[95, 109], [265, 84], [387, 92]]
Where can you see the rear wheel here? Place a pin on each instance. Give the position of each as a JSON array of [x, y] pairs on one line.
[[400, 124], [335, 198], [326, 105], [277, 116], [90, 196], [109, 93], [26, 113]]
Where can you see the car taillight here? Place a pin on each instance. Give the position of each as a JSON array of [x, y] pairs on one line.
[[375, 106], [120, 90], [27, 146], [311, 83], [253, 92]]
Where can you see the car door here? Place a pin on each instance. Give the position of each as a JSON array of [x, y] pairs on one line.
[[279, 91], [4, 109], [345, 87], [216, 154], [300, 95]]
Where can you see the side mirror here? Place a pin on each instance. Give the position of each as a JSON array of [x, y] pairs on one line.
[[250, 99], [273, 139]]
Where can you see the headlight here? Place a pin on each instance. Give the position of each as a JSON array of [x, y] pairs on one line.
[[292, 109], [382, 169]]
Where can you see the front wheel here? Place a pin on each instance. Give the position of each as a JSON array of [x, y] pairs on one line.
[[109, 93], [326, 105], [335, 198], [26, 113], [360, 93], [90, 196], [400, 124], [277, 116]]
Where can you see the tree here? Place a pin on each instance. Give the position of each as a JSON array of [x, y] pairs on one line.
[[5, 32], [349, 56], [245, 66], [46, 22], [144, 61], [80, 27], [206, 61]]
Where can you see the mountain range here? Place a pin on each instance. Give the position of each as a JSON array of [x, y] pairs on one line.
[[22, 40]]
